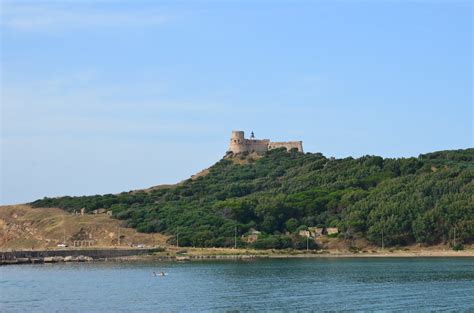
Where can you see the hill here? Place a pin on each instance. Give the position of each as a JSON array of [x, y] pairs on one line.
[[404, 201]]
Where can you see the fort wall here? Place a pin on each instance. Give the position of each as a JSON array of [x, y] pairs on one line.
[[298, 145], [239, 144]]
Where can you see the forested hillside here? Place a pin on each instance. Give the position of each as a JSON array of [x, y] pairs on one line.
[[410, 200]]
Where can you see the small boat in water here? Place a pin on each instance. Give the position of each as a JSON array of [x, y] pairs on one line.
[[161, 274]]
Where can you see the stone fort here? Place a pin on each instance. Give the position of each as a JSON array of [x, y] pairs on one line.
[[239, 144]]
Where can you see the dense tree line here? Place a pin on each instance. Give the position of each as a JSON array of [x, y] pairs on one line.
[[409, 200]]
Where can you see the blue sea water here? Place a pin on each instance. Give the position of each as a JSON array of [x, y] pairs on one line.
[[329, 284]]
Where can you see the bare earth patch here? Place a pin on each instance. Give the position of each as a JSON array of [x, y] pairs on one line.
[[24, 227]]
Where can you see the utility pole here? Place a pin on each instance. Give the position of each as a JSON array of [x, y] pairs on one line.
[[382, 238], [454, 236], [235, 237], [177, 237], [307, 243], [118, 236], [64, 230]]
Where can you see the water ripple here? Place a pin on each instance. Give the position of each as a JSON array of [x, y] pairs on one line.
[[262, 285]]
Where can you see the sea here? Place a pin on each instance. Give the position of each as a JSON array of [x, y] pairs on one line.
[[257, 285]]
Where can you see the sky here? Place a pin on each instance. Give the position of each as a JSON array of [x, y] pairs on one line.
[[110, 96]]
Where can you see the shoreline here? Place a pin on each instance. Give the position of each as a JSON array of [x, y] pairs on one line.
[[324, 253], [172, 254], [316, 255]]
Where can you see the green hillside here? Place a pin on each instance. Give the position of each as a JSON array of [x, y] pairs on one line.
[[410, 200]]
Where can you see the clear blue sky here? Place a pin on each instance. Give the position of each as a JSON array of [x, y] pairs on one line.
[[109, 96]]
